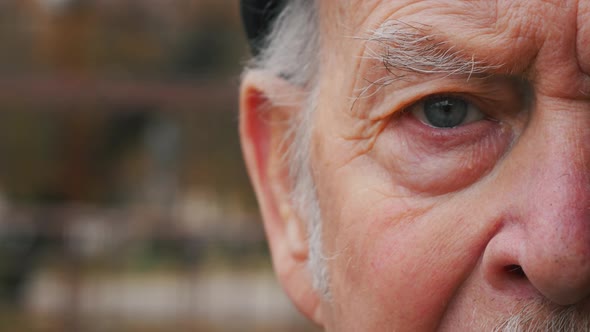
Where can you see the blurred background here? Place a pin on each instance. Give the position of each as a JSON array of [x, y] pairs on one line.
[[124, 203]]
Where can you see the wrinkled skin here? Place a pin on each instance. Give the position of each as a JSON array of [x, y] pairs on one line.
[[428, 228]]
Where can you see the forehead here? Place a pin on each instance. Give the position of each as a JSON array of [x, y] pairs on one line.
[[516, 16], [523, 36]]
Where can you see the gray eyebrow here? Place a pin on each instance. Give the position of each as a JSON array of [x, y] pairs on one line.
[[400, 47]]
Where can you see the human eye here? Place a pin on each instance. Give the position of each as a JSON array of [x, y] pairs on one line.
[[446, 111], [447, 136]]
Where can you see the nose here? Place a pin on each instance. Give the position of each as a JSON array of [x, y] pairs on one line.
[[547, 242]]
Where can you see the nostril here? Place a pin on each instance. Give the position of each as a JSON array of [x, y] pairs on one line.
[[515, 271]]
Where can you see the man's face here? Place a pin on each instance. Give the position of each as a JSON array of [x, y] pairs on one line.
[[452, 199], [451, 153]]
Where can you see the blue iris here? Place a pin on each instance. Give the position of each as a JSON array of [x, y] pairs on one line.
[[445, 112]]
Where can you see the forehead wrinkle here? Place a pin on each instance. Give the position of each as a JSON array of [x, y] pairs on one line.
[[358, 13], [498, 32], [465, 38], [476, 27]]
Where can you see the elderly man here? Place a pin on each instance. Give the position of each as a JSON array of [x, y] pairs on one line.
[[424, 165]]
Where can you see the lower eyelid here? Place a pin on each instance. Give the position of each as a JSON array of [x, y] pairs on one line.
[[446, 138], [436, 161]]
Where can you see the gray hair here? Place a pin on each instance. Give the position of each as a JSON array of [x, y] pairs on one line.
[[291, 51], [543, 316]]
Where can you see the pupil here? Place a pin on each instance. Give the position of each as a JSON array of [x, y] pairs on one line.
[[445, 112]]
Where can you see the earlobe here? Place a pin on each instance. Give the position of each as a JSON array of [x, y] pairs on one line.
[[265, 119]]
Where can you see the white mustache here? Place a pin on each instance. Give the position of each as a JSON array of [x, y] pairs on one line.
[[543, 316]]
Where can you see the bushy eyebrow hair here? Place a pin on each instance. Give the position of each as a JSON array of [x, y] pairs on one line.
[[407, 50], [402, 48]]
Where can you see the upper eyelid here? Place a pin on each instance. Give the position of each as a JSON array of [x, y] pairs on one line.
[[488, 103], [496, 94], [466, 97]]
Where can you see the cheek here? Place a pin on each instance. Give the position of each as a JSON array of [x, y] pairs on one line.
[[435, 161], [396, 259], [404, 262]]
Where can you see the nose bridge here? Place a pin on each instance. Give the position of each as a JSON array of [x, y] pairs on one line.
[[557, 178], [553, 185]]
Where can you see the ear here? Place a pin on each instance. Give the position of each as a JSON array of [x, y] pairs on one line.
[[268, 105]]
